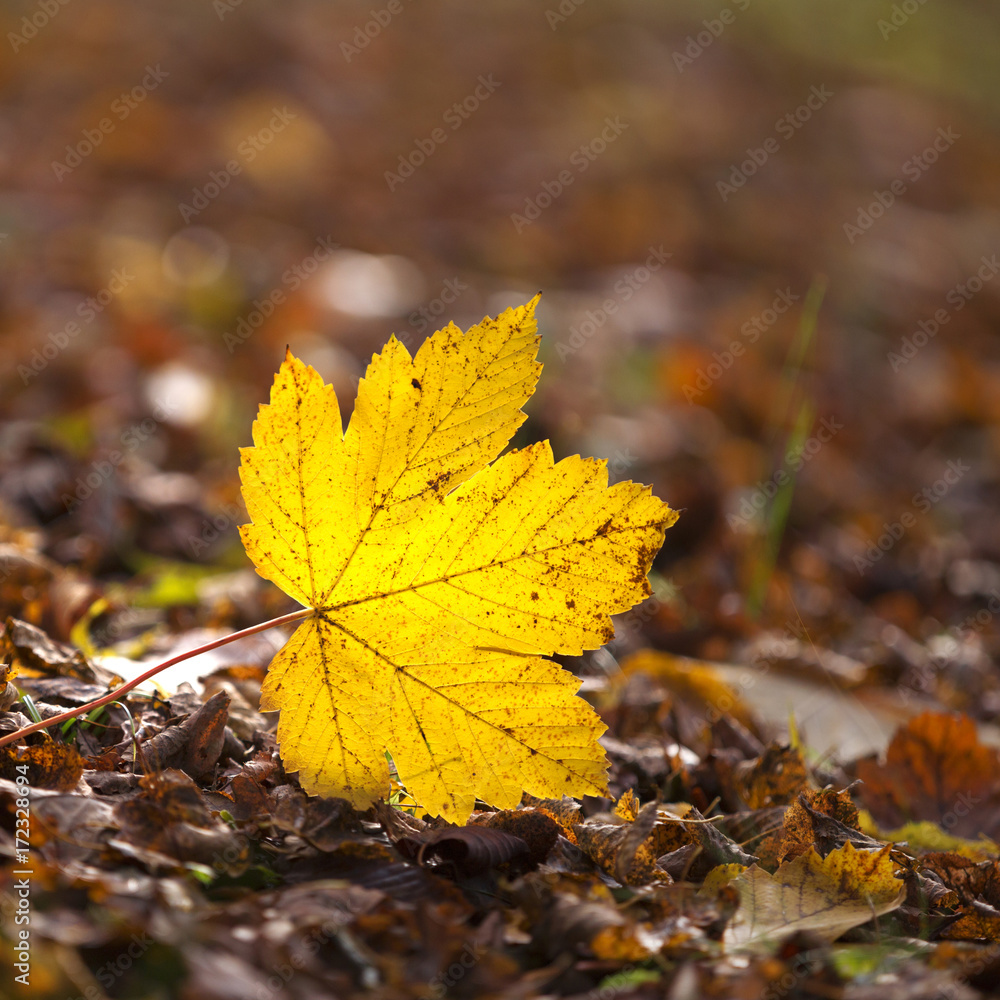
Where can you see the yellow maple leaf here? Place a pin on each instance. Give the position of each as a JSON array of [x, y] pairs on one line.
[[438, 581], [826, 896]]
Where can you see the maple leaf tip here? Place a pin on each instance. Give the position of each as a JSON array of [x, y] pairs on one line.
[[395, 343]]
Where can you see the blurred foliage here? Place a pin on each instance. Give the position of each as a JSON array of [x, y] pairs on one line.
[[185, 189]]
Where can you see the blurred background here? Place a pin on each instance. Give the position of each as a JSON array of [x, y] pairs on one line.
[[766, 237]]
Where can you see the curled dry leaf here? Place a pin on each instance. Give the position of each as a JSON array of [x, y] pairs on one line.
[[33, 650], [825, 820], [630, 852], [974, 886], [565, 811], [464, 851], [535, 827], [636, 833], [193, 745]]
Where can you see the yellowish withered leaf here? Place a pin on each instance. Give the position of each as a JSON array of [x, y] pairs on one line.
[[438, 581], [826, 896]]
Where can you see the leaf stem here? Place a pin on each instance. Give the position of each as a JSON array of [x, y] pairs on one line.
[[152, 672]]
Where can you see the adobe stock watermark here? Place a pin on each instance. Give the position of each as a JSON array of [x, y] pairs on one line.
[[786, 127], [580, 159], [236, 853], [248, 150], [224, 7], [22, 886], [471, 953], [58, 340], [759, 666], [117, 967], [973, 965], [104, 468], [283, 973], [121, 107], [963, 807], [921, 502], [624, 288], [211, 529], [959, 296], [365, 34], [901, 13], [750, 331], [695, 45], [631, 623], [913, 169], [798, 968], [619, 464], [30, 26], [425, 317], [455, 117], [922, 677], [107, 634], [565, 10], [795, 459], [292, 279], [978, 621]]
